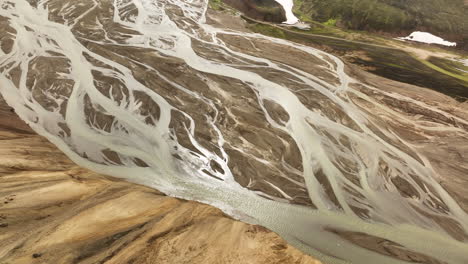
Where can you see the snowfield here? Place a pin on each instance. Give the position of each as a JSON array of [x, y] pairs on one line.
[[428, 38], [288, 6]]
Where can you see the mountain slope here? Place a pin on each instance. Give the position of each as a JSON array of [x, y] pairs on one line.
[[259, 9], [166, 94], [52, 211], [447, 18]]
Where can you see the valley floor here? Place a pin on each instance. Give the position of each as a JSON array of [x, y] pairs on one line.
[[52, 211], [345, 165]]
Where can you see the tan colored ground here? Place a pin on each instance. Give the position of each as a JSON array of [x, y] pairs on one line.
[[447, 151], [52, 211], [422, 53]]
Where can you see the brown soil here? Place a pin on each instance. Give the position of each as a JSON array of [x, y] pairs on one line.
[[52, 211]]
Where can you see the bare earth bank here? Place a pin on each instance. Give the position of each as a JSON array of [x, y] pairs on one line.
[[52, 211]]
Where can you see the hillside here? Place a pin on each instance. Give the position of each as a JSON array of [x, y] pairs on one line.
[[52, 211], [430, 66], [267, 10], [219, 110], [447, 18]]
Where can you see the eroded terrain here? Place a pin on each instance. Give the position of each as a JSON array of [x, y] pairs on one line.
[[52, 211], [187, 101]]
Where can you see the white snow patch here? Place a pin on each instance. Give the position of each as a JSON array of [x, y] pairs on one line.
[[464, 62], [428, 38], [288, 6]]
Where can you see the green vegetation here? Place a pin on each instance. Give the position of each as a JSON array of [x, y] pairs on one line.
[[266, 10], [447, 18], [384, 61], [330, 22], [268, 30], [216, 4], [338, 34], [452, 68]]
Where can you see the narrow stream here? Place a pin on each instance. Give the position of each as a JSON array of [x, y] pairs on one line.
[[147, 148]]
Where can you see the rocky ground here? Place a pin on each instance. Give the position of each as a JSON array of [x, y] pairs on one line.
[[134, 88], [52, 211]]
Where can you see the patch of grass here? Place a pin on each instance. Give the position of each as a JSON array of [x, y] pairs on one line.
[[449, 67], [265, 10], [330, 22], [358, 47], [447, 18], [391, 63], [267, 30], [216, 4]]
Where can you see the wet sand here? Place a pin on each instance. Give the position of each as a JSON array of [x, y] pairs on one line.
[[52, 211], [228, 117]]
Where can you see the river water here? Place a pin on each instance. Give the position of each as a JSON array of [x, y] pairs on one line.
[[50, 76]]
